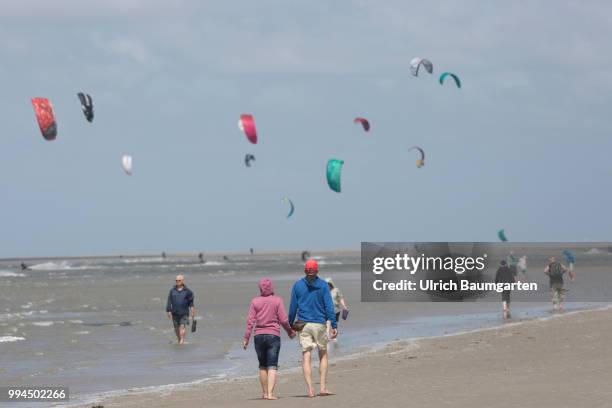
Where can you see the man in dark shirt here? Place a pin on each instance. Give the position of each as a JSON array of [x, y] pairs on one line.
[[505, 275], [180, 307]]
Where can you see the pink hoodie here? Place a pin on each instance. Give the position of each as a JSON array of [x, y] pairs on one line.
[[267, 312]]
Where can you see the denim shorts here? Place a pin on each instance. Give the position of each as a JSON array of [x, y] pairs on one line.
[[267, 347]]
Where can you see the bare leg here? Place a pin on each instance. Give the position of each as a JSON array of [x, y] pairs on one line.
[[505, 310], [182, 334], [263, 380], [307, 372], [178, 334], [271, 383], [323, 370]]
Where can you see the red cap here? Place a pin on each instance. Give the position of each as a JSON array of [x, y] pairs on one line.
[[311, 264]]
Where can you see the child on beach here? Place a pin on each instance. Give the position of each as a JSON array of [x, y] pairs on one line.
[[266, 315]]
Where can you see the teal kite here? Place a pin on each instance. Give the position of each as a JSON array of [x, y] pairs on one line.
[[455, 77], [292, 208], [334, 168], [501, 234]]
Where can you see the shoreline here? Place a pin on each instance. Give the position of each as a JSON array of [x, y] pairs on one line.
[[243, 390], [175, 255]]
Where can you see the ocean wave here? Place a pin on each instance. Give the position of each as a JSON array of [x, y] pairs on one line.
[[330, 263], [10, 339], [10, 274], [42, 324], [142, 260], [57, 266]]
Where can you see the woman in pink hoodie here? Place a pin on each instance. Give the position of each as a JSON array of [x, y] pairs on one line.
[[267, 314]]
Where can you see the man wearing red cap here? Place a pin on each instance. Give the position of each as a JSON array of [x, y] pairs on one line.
[[312, 304]]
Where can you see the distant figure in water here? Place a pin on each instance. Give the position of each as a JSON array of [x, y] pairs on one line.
[[201, 257], [225, 258], [555, 271], [505, 275], [24, 266], [180, 307], [266, 315], [164, 255], [521, 268], [251, 251], [305, 255]]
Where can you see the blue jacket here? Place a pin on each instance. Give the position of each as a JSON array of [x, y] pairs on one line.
[[311, 302], [179, 301]]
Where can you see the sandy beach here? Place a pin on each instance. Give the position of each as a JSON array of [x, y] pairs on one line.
[[564, 361]]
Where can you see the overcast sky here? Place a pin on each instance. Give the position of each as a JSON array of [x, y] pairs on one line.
[[524, 145]]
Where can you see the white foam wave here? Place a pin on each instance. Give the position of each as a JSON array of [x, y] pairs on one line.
[[142, 260], [11, 274], [57, 266], [10, 339], [42, 324]]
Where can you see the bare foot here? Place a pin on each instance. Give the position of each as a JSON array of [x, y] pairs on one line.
[[272, 397], [325, 393], [311, 393]]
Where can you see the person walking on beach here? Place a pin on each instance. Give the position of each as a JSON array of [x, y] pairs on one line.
[[339, 302], [266, 315], [555, 271], [312, 305], [505, 275], [180, 307]]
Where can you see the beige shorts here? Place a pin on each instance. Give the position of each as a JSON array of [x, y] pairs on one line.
[[314, 335]]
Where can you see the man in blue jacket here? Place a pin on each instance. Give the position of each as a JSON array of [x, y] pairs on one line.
[[179, 307], [312, 304]]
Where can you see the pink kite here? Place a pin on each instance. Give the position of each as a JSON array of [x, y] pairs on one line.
[[247, 125]]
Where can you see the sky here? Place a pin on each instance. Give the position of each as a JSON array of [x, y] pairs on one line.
[[523, 145]]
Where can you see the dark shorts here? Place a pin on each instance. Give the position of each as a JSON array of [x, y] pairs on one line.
[[267, 347], [178, 320], [506, 296], [337, 318]]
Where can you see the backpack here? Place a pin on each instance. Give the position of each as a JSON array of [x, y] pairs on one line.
[[555, 271]]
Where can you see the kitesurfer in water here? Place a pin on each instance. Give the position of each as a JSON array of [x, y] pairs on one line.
[[24, 266], [251, 250], [201, 257]]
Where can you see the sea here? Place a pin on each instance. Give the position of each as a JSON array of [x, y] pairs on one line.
[[98, 325]]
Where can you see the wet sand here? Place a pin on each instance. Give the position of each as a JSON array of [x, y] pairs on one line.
[[564, 361]]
